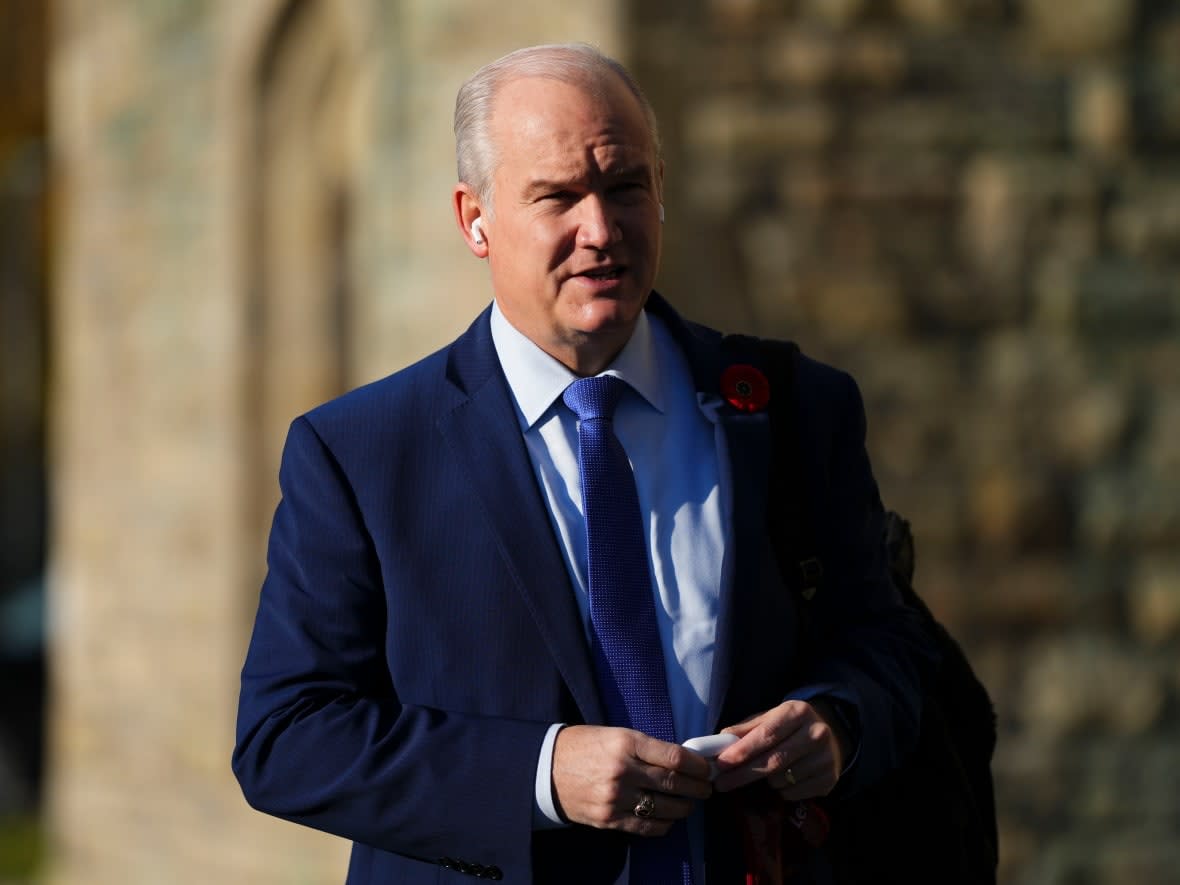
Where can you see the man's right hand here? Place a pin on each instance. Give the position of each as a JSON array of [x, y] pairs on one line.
[[600, 775]]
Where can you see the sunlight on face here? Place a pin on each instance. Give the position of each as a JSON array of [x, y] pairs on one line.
[[575, 242]]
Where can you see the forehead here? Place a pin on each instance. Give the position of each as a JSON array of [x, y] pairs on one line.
[[540, 120]]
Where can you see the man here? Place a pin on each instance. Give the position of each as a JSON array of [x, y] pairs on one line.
[[435, 673]]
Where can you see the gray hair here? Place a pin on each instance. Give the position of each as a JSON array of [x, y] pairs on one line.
[[578, 64]]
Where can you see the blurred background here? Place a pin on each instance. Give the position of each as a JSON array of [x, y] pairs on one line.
[[217, 213]]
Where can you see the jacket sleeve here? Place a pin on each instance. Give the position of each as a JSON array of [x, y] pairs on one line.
[[322, 736]]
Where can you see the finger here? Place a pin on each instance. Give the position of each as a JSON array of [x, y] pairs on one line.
[[794, 751], [793, 730], [813, 786], [661, 807], [674, 783], [671, 757], [760, 734], [742, 728], [799, 773], [807, 772], [803, 778]]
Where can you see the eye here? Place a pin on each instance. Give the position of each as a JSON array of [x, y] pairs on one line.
[[628, 190]]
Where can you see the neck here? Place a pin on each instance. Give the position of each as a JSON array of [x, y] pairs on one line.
[[583, 353], [589, 359]]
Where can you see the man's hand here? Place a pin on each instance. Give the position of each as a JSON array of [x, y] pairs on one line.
[[600, 775], [795, 748]]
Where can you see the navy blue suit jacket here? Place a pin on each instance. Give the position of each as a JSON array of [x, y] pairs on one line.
[[417, 632]]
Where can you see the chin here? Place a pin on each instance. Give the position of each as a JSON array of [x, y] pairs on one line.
[[612, 314]]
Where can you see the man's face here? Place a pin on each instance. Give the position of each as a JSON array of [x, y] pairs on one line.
[[574, 242]]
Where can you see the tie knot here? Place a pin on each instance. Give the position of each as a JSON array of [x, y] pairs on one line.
[[594, 397]]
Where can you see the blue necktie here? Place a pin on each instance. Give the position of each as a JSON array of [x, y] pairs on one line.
[[624, 634]]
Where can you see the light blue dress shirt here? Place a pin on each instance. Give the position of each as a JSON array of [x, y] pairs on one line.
[[676, 451]]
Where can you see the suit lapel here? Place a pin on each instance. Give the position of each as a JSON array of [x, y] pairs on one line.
[[485, 436]]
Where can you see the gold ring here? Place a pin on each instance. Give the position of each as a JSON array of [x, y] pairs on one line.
[[646, 805], [791, 778]]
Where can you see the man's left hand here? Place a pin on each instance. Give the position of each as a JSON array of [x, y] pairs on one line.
[[793, 746]]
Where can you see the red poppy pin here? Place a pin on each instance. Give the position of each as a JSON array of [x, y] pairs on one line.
[[745, 388]]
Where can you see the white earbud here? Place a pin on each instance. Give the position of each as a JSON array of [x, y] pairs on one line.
[[661, 213], [477, 232]]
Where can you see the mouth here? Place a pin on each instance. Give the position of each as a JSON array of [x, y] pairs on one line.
[[603, 274]]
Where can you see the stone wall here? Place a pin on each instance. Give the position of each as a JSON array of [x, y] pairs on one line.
[[974, 206], [971, 204]]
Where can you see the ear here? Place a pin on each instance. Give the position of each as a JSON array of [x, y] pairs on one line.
[[467, 210], [660, 188]]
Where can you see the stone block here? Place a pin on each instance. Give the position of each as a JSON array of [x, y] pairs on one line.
[[736, 13], [1020, 846], [1015, 506], [809, 187], [773, 246], [838, 13], [1126, 510], [905, 374], [802, 57], [1090, 423], [934, 15], [1023, 595], [1133, 856], [1079, 28], [733, 67], [1160, 91], [1158, 446], [1021, 365], [857, 303], [995, 218], [920, 188], [930, 500], [1031, 784], [913, 123], [1119, 298], [1090, 682], [747, 128], [1055, 294], [1142, 783], [873, 58], [1145, 222], [912, 441], [1101, 113], [1154, 600]]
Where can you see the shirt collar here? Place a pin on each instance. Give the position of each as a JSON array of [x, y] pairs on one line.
[[537, 379]]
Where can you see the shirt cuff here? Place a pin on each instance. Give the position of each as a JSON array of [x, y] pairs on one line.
[[545, 816]]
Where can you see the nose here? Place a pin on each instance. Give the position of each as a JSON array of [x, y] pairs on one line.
[[597, 229]]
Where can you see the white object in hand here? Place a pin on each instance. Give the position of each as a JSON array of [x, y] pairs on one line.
[[710, 746]]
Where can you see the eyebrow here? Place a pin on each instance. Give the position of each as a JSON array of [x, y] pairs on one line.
[[544, 185]]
